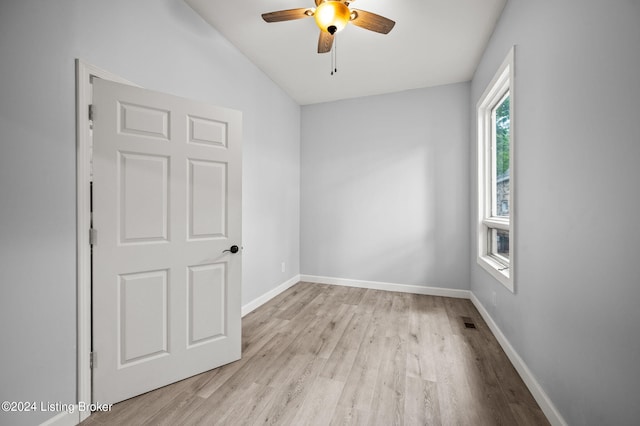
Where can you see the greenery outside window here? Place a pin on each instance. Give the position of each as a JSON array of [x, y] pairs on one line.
[[496, 175]]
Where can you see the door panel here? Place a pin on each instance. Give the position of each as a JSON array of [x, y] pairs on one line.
[[143, 120], [207, 131], [166, 204], [143, 314], [207, 205], [207, 286], [143, 191]]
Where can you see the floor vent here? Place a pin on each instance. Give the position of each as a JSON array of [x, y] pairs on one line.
[[468, 322]]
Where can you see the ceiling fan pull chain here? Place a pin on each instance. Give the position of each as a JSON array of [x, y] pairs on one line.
[[335, 54], [332, 56]]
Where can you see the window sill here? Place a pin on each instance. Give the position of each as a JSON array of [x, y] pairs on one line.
[[496, 270]]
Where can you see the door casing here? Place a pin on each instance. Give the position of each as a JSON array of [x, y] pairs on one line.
[[85, 72]]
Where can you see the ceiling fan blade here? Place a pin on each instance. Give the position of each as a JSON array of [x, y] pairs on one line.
[[325, 42], [287, 15], [371, 21]]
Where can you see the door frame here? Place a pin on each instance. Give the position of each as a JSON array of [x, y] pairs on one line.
[[84, 95]]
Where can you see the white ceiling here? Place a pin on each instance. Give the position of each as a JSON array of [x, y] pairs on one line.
[[434, 42]]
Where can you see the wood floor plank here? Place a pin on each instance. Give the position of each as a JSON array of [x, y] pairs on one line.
[[231, 407], [297, 302], [303, 342], [248, 406], [320, 354], [421, 355], [421, 402], [177, 411], [321, 335], [389, 396], [333, 332], [342, 357], [254, 367], [251, 361], [527, 415], [354, 296], [357, 396], [138, 410], [453, 389], [319, 405], [289, 398], [369, 301]]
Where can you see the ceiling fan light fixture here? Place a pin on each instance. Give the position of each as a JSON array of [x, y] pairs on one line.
[[332, 16]]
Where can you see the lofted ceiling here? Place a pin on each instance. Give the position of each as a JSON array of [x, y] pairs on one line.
[[434, 42]]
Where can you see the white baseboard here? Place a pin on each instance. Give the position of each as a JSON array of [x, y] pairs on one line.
[[400, 288], [255, 303], [543, 400], [65, 418]]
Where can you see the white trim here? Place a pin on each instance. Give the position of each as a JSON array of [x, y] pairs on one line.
[[259, 301], [65, 418], [496, 269], [84, 73], [377, 285], [496, 222], [543, 400], [502, 81]]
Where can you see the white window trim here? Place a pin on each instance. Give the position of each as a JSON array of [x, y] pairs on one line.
[[501, 82]]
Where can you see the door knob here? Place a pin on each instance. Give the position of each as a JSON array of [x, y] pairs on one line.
[[232, 249]]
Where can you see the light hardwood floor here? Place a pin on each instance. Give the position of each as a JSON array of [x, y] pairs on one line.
[[320, 355]]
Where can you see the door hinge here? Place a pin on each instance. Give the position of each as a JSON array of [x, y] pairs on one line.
[[91, 112], [93, 236], [93, 358]]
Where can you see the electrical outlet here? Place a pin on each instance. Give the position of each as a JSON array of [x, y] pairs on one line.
[[283, 267], [494, 299]]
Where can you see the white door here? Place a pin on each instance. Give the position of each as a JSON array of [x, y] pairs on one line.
[[166, 206]]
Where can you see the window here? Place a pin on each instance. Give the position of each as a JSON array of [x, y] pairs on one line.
[[495, 175]]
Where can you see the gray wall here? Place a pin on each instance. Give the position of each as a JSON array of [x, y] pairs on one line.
[[385, 188], [574, 318], [161, 45]]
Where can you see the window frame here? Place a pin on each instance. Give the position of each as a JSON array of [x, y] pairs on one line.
[[498, 266]]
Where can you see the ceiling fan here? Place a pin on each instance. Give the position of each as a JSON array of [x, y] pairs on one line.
[[332, 16]]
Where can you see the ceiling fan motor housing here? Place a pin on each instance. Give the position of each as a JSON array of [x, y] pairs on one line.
[[332, 16]]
